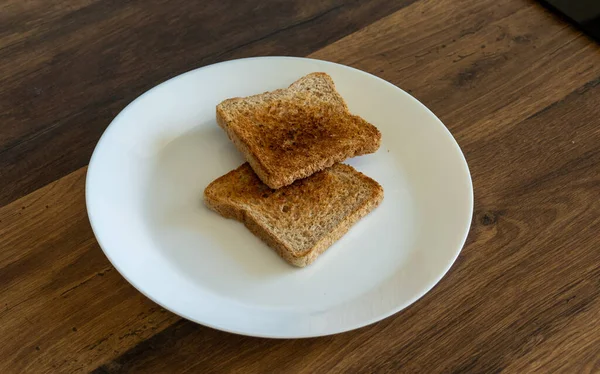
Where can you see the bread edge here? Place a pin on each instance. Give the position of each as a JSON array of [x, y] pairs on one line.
[[231, 211], [276, 181], [309, 256], [344, 226], [261, 171]]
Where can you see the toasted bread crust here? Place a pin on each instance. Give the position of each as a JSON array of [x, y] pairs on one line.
[[240, 195], [258, 167], [289, 134]]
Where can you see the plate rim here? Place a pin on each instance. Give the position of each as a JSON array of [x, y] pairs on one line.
[[363, 323]]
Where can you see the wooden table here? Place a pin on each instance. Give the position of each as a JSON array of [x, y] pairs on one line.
[[518, 88]]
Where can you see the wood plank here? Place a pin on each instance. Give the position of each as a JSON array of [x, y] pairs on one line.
[[577, 341], [64, 307], [522, 286], [480, 67], [68, 70]]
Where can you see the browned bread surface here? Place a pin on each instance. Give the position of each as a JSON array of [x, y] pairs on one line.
[[289, 134], [301, 220]]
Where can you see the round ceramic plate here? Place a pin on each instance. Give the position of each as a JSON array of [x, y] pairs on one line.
[[144, 191]]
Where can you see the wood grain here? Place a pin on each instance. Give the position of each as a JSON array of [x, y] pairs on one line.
[[63, 307], [68, 70], [518, 88]]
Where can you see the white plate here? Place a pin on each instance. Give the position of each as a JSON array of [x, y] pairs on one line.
[[144, 199]]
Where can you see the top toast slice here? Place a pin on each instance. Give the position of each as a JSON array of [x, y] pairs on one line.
[[301, 220], [289, 134]]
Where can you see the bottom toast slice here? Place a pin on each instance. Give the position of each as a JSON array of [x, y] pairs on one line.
[[301, 220]]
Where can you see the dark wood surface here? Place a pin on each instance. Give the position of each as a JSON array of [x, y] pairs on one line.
[[518, 88]]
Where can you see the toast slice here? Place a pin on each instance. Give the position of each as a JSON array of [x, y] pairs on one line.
[[289, 134], [301, 220]]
